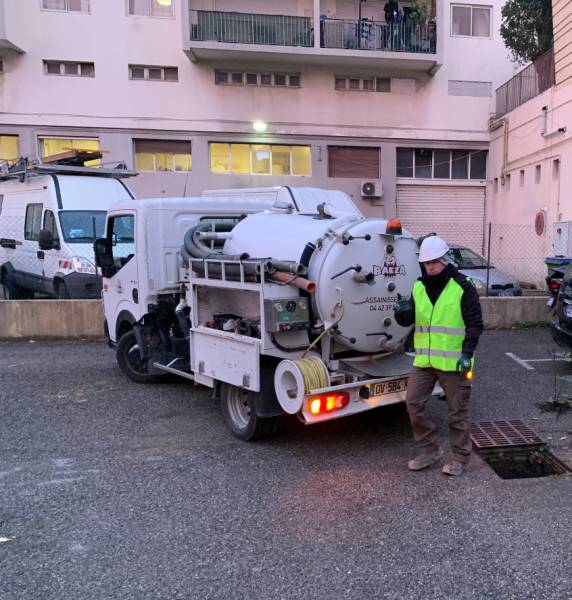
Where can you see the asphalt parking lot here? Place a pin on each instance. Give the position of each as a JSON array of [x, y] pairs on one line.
[[115, 490]]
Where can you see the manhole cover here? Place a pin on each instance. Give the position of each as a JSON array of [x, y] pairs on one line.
[[502, 434]]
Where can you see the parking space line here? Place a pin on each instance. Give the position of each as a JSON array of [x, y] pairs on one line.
[[546, 359], [520, 361]]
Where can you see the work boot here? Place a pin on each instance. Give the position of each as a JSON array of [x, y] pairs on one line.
[[454, 468], [424, 460]]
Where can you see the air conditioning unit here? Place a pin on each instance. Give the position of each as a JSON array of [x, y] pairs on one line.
[[371, 189]]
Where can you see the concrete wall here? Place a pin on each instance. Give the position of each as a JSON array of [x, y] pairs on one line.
[[81, 319], [65, 319]]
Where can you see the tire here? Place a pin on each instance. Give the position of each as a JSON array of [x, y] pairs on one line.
[[12, 291], [238, 410], [129, 360], [61, 290]]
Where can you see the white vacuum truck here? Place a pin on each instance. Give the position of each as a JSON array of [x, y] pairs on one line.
[[279, 312]]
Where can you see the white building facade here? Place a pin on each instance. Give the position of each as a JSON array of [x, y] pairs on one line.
[[174, 87]]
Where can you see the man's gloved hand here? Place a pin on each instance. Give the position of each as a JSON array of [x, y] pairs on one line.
[[404, 311], [464, 363]]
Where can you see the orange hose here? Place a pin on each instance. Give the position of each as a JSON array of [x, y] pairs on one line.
[[299, 282]]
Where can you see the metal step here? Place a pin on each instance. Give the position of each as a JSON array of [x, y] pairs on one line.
[[171, 369]]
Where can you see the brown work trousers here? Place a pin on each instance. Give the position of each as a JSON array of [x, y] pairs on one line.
[[458, 390]]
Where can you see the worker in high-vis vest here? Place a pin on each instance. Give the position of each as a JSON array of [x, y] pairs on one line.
[[446, 312]]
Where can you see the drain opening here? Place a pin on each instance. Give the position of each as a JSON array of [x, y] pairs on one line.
[[524, 462]]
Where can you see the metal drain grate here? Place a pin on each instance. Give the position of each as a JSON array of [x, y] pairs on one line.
[[502, 434]]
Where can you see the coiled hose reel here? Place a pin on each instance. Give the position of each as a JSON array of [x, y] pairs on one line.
[[294, 379]]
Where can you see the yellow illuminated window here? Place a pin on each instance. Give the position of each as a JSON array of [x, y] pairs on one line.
[[220, 158], [280, 160], [163, 155], [301, 161], [51, 146], [9, 147], [240, 157], [260, 159]]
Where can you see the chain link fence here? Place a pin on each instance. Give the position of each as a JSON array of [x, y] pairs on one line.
[[519, 251]]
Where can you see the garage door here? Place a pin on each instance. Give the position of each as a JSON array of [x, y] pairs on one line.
[[454, 213]]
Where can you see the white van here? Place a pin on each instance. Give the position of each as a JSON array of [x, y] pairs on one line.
[[50, 216]]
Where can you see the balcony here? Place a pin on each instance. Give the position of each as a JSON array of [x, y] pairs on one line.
[[7, 42], [532, 81], [342, 43]]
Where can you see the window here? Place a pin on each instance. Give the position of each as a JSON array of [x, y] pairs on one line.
[[151, 73], [162, 155], [556, 168], [496, 185], [263, 79], [50, 224], [82, 226], [537, 174], [152, 8], [121, 233], [471, 21], [51, 146], [522, 178], [260, 159], [426, 163], [9, 148], [70, 69], [507, 182], [33, 222], [375, 84], [352, 161], [66, 5]]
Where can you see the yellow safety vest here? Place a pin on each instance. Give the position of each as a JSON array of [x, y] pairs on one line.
[[439, 327]]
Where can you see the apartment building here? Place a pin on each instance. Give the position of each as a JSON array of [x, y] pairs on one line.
[[530, 161], [359, 95]]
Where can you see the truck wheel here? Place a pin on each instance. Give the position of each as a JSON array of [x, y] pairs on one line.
[[61, 290], [237, 406], [129, 360], [12, 291]]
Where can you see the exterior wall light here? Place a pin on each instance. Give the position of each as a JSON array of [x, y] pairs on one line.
[[259, 126], [165, 2]]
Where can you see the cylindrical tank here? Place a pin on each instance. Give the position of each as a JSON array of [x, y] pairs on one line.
[[358, 269]]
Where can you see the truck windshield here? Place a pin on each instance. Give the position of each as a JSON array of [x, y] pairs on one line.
[[81, 226]]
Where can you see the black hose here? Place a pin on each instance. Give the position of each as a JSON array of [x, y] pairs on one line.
[[286, 348]]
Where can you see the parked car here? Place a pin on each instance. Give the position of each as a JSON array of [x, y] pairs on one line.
[[561, 324], [475, 266]]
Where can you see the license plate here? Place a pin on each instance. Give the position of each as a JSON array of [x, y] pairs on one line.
[[383, 388]]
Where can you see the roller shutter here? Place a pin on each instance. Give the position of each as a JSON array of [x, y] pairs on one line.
[[456, 213]]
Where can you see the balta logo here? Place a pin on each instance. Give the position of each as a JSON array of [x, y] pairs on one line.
[[390, 269]]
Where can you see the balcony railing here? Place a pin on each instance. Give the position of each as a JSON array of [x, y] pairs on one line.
[[373, 35], [529, 83], [244, 28], [289, 30]]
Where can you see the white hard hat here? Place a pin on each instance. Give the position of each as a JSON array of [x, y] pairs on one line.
[[432, 248]]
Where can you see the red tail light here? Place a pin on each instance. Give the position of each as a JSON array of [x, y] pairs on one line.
[[328, 403], [555, 284]]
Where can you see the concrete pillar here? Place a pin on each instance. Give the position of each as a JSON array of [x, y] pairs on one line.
[[316, 23]]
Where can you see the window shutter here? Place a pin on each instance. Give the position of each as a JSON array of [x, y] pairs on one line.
[[347, 161]]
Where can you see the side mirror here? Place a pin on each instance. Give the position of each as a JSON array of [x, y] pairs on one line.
[[46, 241], [102, 248]]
